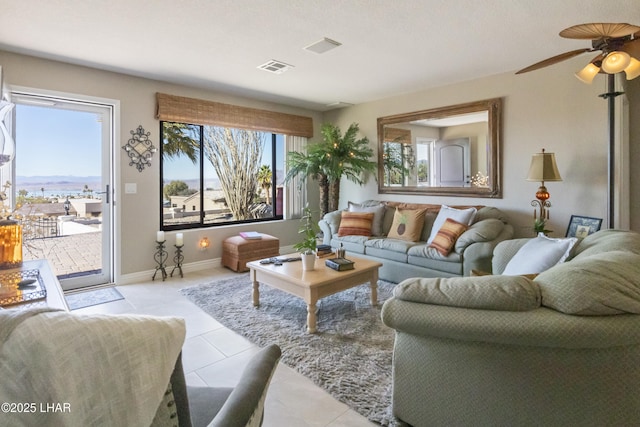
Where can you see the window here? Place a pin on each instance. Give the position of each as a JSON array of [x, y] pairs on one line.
[[213, 175], [398, 156], [424, 156]]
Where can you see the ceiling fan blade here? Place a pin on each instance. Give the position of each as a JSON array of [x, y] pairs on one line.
[[598, 30], [553, 60], [632, 47]]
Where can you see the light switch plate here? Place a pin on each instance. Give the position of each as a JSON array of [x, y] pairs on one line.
[[130, 188]]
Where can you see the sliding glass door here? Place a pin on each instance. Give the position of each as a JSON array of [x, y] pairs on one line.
[[63, 185]]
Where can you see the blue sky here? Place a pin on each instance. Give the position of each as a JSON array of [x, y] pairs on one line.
[[52, 141], [183, 169]]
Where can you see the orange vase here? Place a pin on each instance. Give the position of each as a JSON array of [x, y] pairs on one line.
[[10, 244]]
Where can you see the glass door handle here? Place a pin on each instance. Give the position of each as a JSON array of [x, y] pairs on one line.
[[106, 191]]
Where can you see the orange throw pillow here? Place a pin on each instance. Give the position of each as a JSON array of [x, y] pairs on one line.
[[355, 224], [446, 238]]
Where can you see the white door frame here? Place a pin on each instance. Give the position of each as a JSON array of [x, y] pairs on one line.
[[110, 173]]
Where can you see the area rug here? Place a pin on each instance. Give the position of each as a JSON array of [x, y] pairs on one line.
[[95, 297], [349, 356]]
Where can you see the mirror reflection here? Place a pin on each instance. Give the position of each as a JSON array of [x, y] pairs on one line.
[[447, 151]]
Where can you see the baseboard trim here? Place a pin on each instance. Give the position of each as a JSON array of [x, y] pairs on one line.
[[145, 276]]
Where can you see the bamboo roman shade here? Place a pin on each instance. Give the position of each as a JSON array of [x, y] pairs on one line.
[[180, 109], [402, 136]]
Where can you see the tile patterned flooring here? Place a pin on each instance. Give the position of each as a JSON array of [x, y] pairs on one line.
[[214, 355]]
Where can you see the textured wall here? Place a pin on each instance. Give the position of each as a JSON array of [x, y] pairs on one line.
[[137, 215], [548, 108]]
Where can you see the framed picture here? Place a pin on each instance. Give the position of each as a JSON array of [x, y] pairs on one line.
[[582, 226]]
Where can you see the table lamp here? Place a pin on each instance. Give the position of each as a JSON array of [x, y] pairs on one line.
[[543, 168]]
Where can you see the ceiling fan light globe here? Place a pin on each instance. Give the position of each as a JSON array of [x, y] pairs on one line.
[[633, 70], [615, 62], [588, 73]]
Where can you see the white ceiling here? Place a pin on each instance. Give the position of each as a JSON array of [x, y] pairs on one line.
[[388, 46]]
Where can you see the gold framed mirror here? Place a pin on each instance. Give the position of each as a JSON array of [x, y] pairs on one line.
[[448, 151]]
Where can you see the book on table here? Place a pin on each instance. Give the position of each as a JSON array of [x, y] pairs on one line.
[[339, 264], [323, 251], [250, 235], [324, 254]]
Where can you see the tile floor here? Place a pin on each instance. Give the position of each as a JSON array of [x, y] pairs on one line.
[[214, 355]]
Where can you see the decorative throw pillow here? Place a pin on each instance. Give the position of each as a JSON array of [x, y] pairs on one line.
[[407, 224], [355, 224], [464, 216], [446, 238], [538, 255], [378, 215]]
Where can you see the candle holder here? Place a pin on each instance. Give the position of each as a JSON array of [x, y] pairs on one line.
[[161, 257], [177, 260]]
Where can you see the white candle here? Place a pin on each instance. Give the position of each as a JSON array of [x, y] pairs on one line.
[[160, 236], [179, 239]]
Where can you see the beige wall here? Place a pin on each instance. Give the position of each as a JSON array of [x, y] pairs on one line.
[[548, 108], [137, 215]]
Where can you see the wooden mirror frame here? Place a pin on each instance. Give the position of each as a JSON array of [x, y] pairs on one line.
[[494, 136]]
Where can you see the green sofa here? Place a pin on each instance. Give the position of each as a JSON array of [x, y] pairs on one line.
[[402, 259], [562, 349]]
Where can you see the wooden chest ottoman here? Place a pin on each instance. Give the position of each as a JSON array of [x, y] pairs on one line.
[[238, 251]]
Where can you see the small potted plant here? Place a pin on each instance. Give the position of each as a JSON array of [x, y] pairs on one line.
[[307, 246], [540, 226]]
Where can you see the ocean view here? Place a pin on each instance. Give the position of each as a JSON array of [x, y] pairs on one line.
[[57, 186]]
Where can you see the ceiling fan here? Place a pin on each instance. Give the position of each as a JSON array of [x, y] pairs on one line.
[[618, 44]]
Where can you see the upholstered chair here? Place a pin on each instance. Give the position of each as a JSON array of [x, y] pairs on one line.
[[240, 406], [120, 370]]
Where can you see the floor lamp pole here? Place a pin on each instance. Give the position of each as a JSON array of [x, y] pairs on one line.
[[610, 96], [611, 101]]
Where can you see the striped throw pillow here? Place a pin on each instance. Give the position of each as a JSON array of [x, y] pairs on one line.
[[355, 224], [446, 238]]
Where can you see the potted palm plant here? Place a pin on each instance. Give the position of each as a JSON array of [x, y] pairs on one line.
[[328, 161], [307, 246]]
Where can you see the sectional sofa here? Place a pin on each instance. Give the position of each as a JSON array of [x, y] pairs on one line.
[[561, 349], [405, 256]]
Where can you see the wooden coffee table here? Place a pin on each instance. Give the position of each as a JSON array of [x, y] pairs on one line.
[[315, 284]]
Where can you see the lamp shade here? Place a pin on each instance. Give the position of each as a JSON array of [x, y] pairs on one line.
[[633, 69], [615, 62], [543, 168], [588, 73]]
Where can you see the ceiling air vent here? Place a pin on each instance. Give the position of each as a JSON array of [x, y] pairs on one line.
[[276, 67], [339, 104], [323, 45]]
